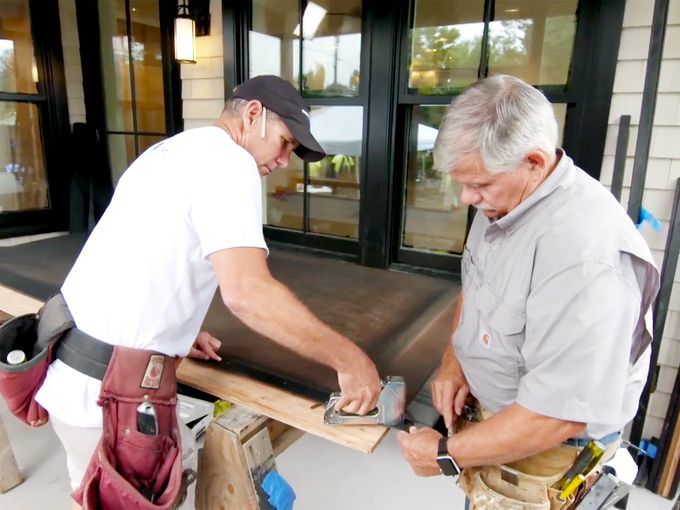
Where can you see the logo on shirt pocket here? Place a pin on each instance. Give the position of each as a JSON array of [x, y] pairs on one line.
[[485, 339]]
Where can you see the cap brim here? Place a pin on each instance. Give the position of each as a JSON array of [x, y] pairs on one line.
[[308, 149]]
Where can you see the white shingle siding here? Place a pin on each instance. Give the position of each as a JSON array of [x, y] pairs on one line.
[[663, 168], [203, 82]]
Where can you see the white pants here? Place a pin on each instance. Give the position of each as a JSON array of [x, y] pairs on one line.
[[80, 442]]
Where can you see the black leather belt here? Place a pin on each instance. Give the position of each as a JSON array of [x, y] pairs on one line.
[[84, 353]]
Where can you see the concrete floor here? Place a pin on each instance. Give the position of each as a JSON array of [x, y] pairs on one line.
[[323, 475]]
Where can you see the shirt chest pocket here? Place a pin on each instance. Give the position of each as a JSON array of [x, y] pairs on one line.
[[500, 335]]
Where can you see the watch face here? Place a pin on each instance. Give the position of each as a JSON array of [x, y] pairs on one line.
[[447, 466]]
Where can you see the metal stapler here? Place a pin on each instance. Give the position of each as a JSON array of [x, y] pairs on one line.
[[389, 411]]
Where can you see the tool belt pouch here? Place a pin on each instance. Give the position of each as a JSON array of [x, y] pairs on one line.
[[35, 334], [131, 469], [521, 485]]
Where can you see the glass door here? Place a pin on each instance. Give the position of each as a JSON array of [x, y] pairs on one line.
[[132, 79], [450, 45], [23, 180], [317, 46]]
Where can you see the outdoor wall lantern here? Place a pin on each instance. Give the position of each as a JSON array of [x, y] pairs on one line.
[[185, 35]]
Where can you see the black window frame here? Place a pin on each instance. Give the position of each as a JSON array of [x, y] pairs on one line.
[[589, 89], [386, 100], [237, 23], [52, 105], [88, 29]]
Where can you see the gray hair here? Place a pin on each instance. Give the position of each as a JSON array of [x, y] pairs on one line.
[[500, 119], [236, 104]]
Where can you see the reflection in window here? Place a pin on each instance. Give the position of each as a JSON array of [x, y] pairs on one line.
[[116, 66], [446, 45], [533, 40], [333, 182], [331, 50], [121, 154], [530, 39], [18, 70], [133, 79], [274, 47], [284, 206], [147, 62], [434, 218], [23, 184]]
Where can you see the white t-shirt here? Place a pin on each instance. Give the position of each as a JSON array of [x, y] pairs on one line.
[[143, 278]]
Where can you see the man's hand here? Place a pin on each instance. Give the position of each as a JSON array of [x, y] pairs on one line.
[[360, 385], [419, 448], [449, 388], [205, 347]]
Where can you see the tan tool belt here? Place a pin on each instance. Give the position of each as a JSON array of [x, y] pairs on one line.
[[525, 484]]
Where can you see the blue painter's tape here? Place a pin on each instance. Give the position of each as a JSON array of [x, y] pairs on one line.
[[649, 448], [648, 217], [281, 494]]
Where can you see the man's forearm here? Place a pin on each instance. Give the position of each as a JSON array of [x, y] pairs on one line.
[[512, 434]]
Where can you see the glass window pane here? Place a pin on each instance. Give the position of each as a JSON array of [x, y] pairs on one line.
[[121, 154], [146, 141], [434, 218], [331, 51], [23, 184], [446, 45], [274, 47], [333, 185], [115, 66], [284, 205], [533, 40], [18, 72], [147, 63], [560, 110]]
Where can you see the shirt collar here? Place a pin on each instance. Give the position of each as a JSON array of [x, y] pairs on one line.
[[561, 177]]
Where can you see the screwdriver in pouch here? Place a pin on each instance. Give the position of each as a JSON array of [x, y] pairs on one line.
[[585, 461]]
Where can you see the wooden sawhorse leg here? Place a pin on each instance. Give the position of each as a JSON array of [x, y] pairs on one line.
[[9, 472], [239, 452]]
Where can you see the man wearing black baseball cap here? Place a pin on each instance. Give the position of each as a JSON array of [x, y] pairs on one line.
[[186, 217], [269, 119], [281, 97]]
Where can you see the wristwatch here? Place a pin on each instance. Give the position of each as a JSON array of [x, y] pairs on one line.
[[446, 463]]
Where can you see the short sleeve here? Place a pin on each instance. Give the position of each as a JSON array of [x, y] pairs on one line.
[[580, 325], [226, 203]]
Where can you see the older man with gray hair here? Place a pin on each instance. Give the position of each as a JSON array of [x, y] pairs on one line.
[[552, 328]]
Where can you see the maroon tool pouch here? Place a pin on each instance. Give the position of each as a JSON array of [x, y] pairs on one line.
[[36, 335], [131, 469]]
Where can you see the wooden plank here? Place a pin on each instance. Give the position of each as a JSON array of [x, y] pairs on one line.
[[296, 411], [16, 303], [9, 471], [670, 467], [280, 405]]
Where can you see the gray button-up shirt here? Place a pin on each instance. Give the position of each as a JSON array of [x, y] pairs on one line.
[[557, 305]]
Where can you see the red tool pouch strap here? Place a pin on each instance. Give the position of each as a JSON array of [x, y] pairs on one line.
[[129, 469]]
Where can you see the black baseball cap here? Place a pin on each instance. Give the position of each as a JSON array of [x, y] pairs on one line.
[[280, 96]]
